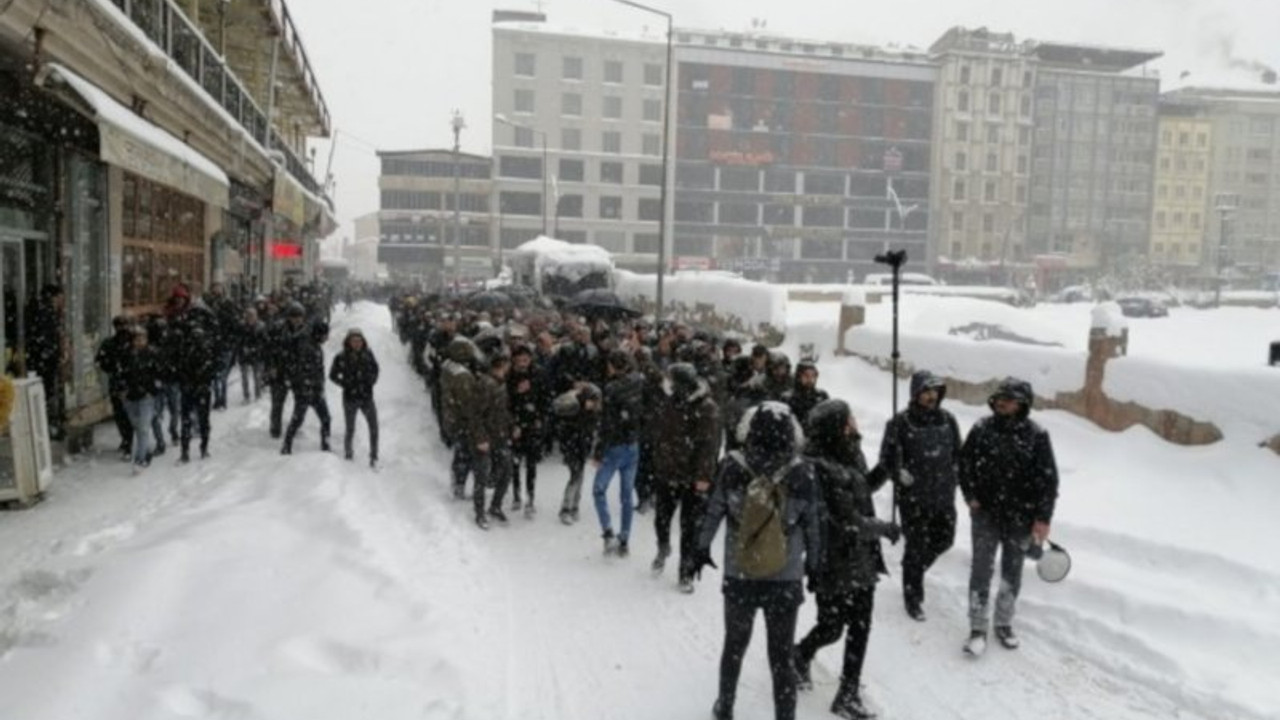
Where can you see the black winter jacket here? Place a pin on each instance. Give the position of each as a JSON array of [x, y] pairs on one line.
[[927, 443], [112, 357], [1007, 466], [356, 373], [623, 413], [141, 373]]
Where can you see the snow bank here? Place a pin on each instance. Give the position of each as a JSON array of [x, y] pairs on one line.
[[754, 303], [1242, 402], [562, 259], [1003, 295]]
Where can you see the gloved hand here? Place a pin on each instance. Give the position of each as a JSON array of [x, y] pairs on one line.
[[893, 532], [905, 478], [702, 560]]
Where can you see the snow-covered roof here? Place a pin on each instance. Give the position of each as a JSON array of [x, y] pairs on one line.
[[655, 36], [568, 260]]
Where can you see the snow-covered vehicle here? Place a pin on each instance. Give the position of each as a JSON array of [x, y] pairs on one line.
[[1142, 307], [907, 279], [556, 268]]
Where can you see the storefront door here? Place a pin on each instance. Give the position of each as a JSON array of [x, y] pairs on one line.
[[13, 288]]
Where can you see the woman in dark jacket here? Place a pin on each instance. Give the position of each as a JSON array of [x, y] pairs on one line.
[[355, 370], [140, 381], [851, 563]]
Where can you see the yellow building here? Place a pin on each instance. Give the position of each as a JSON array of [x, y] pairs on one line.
[[1181, 208]]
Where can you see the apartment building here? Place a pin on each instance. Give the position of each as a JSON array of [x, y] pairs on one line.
[[577, 138], [1183, 206], [417, 229], [136, 154], [1093, 157]]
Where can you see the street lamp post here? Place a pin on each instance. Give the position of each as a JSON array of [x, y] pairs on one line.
[[458, 123], [666, 146], [502, 119]]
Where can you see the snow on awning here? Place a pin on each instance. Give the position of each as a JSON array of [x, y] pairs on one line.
[[131, 142]]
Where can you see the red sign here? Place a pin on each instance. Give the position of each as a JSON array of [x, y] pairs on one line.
[[734, 157], [282, 251]]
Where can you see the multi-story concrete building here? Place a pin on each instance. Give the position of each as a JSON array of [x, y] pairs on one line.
[[1182, 206], [1094, 151], [800, 160], [982, 149], [417, 226], [137, 154], [1245, 164], [577, 138]]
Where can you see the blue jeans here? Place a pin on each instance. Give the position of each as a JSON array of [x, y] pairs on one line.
[[226, 360], [140, 413], [623, 459], [168, 399]]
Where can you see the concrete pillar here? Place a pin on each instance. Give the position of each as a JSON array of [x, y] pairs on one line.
[[853, 313]]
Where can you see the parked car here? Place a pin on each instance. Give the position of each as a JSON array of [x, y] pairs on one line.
[[1141, 307]]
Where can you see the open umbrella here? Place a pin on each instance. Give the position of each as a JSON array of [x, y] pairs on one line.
[[522, 295], [488, 301], [602, 303]]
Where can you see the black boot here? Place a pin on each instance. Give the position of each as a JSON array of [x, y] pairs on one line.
[[848, 704], [804, 681], [721, 711]]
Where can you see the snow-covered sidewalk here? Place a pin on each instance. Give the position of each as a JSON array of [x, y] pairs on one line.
[[261, 587]]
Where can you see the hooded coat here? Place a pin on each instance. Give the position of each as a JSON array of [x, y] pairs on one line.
[[927, 443], [355, 371], [851, 533], [623, 413], [460, 389], [1007, 465], [688, 437], [803, 400], [772, 441]]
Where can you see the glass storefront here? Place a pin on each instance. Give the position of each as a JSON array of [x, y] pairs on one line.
[[164, 242]]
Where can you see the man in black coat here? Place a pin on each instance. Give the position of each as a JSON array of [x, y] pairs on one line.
[[852, 562], [355, 370], [805, 395], [305, 353], [618, 447], [46, 354], [193, 350], [1010, 481], [924, 442], [111, 360], [276, 358], [527, 395]]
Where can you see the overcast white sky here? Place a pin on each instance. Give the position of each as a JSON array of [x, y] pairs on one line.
[[393, 70]]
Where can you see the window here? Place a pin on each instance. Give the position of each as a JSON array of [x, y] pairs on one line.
[[962, 131], [964, 74], [740, 179], [1026, 78], [649, 209], [989, 191], [1195, 221], [569, 206], [962, 162], [962, 101], [1020, 194], [866, 218], [524, 137], [611, 172], [988, 223], [816, 183], [779, 181], [520, 167], [997, 77], [1022, 164], [823, 216], [780, 215], [651, 144], [1160, 220], [1024, 108], [646, 243], [572, 171], [1202, 140], [651, 175], [695, 176], [521, 203], [993, 162], [1180, 191], [993, 133], [570, 139], [739, 214], [1164, 163], [611, 142], [572, 68], [1024, 136], [612, 107], [652, 111], [957, 190], [164, 241], [1200, 165], [957, 249], [571, 104], [695, 212], [610, 207], [524, 100], [526, 64], [1177, 219], [993, 103], [1184, 139], [653, 74], [957, 221], [612, 71]]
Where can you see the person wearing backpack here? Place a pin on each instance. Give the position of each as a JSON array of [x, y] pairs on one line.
[[851, 563], [577, 414], [769, 500]]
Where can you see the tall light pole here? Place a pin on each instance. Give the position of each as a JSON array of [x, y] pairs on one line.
[[666, 145], [546, 169], [458, 123]]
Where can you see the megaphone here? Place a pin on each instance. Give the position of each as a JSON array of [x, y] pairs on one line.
[[1053, 562]]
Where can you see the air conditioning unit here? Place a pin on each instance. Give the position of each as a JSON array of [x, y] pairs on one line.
[[26, 461]]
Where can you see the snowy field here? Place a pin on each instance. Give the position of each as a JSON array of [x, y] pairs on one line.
[[257, 587]]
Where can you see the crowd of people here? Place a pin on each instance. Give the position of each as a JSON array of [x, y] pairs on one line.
[[167, 371], [692, 423]]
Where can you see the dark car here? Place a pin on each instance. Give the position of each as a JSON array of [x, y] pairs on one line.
[[1140, 307]]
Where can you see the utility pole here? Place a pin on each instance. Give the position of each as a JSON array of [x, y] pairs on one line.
[[458, 123]]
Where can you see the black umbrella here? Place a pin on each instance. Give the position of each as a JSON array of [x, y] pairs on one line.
[[522, 295], [602, 303], [488, 301]]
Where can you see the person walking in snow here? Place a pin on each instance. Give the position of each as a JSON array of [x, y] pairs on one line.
[[686, 450], [851, 561], [355, 370], [141, 383], [769, 500], [618, 448], [276, 361], [306, 380], [251, 346], [1010, 482], [577, 417], [459, 388], [924, 442], [111, 359], [193, 349], [804, 396], [492, 442], [526, 392]]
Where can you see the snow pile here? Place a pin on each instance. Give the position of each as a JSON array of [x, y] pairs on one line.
[[1108, 318], [753, 303], [1242, 402], [567, 260], [1004, 295]]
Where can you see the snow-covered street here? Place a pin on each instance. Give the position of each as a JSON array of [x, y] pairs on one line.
[[261, 587]]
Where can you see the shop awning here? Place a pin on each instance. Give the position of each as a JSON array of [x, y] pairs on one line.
[[131, 142]]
